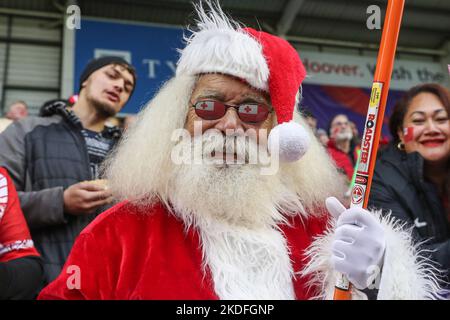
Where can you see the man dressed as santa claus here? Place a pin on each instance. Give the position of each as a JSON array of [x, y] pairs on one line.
[[226, 194]]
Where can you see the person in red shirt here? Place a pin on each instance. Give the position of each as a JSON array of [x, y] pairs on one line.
[[339, 145], [20, 264]]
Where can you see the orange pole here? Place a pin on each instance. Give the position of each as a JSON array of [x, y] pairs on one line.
[[374, 121]]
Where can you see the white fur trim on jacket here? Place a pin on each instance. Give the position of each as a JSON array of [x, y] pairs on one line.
[[406, 273], [221, 46]]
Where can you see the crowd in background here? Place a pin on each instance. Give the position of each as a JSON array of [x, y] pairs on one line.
[[412, 174]]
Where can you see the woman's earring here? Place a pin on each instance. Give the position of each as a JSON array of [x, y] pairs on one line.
[[401, 146]]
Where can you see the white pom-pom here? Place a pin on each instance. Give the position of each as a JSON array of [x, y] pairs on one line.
[[290, 140]]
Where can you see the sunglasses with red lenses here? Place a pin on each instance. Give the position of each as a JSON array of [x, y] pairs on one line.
[[247, 112]]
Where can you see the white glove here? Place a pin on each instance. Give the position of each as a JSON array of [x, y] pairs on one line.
[[358, 245]]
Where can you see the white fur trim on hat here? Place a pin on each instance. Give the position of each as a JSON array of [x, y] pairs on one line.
[[221, 46]]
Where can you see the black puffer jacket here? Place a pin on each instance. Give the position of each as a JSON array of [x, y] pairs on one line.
[[398, 185], [44, 156]]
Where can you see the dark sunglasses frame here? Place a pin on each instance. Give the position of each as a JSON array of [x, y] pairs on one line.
[[268, 110]]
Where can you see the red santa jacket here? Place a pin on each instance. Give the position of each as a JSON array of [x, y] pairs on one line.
[[15, 239], [126, 254]]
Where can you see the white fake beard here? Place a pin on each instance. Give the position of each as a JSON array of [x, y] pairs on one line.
[[235, 194], [236, 209]]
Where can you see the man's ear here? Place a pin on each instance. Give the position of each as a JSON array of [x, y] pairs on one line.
[[83, 85]]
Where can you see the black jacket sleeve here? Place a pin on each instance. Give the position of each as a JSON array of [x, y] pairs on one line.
[[21, 278], [383, 197], [41, 208]]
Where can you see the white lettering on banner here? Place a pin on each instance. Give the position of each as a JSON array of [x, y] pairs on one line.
[[358, 71], [331, 68], [152, 63], [171, 65]]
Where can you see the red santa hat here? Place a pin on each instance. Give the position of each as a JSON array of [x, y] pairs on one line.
[[264, 61]]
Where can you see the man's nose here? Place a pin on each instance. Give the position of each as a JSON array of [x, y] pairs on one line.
[[230, 121], [119, 85]]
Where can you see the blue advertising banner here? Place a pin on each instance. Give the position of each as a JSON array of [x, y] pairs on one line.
[[152, 50]]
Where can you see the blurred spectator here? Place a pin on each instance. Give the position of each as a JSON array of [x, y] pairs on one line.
[[339, 145], [4, 123], [320, 134], [20, 265], [17, 111], [356, 139], [323, 137], [310, 119], [51, 158], [412, 175]]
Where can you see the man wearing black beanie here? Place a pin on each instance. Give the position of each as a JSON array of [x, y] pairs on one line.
[[54, 160], [98, 63]]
